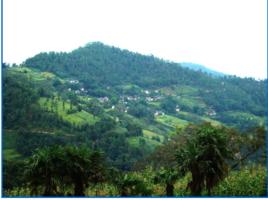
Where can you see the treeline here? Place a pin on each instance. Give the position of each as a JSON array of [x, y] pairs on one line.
[[199, 157]]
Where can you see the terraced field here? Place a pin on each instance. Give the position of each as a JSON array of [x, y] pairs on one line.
[[63, 107], [171, 121], [9, 144]]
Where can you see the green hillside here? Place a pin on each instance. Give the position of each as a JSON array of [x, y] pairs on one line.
[[131, 107]]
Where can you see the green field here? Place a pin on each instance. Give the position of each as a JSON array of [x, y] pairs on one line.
[[172, 121], [150, 135], [10, 154], [137, 142], [212, 121], [246, 116], [32, 74], [191, 102], [147, 138], [181, 90], [9, 144], [9, 139], [62, 107], [186, 90]]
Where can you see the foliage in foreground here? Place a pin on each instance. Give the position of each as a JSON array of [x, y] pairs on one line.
[[52, 169], [206, 164], [250, 181], [204, 155]]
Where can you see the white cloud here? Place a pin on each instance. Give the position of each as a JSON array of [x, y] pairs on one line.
[[225, 35]]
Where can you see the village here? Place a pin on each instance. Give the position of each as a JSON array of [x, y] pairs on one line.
[[149, 96]]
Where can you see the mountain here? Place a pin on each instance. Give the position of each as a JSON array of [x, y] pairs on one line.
[[198, 67], [122, 102], [98, 109], [98, 66]]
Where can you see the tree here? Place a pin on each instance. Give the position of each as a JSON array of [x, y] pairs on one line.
[[13, 173], [77, 165], [97, 171], [204, 155], [53, 167], [167, 177], [5, 65], [252, 144], [131, 185], [43, 170], [169, 104], [133, 129]]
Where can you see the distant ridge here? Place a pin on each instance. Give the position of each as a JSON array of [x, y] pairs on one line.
[[198, 67]]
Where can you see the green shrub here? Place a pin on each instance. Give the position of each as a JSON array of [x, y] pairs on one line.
[[250, 181]]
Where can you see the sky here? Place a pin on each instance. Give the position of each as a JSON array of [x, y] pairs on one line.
[[229, 36]]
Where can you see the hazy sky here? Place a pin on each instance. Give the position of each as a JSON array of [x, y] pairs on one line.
[[225, 35]]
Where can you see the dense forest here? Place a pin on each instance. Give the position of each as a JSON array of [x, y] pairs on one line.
[[101, 121]]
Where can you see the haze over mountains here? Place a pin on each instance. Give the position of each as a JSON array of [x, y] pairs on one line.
[[202, 68]]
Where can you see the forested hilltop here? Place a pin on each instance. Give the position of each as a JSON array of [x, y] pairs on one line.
[[107, 121]]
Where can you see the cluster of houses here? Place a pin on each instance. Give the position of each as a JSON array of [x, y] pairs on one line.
[[148, 92], [151, 99], [177, 109], [211, 112], [73, 81], [137, 98], [159, 113], [125, 99], [81, 90], [103, 99], [129, 98], [121, 109], [151, 96]]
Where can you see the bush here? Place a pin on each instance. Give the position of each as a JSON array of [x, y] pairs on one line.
[[250, 181]]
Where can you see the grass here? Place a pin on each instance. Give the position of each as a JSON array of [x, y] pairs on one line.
[[212, 121], [181, 90], [48, 75], [191, 102], [135, 142], [147, 137], [80, 118], [135, 120], [9, 144], [9, 139], [10, 154], [186, 90], [167, 91], [128, 86], [35, 74], [150, 135], [156, 127], [246, 116], [31, 74], [77, 118], [84, 99], [120, 130], [172, 121], [155, 103]]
